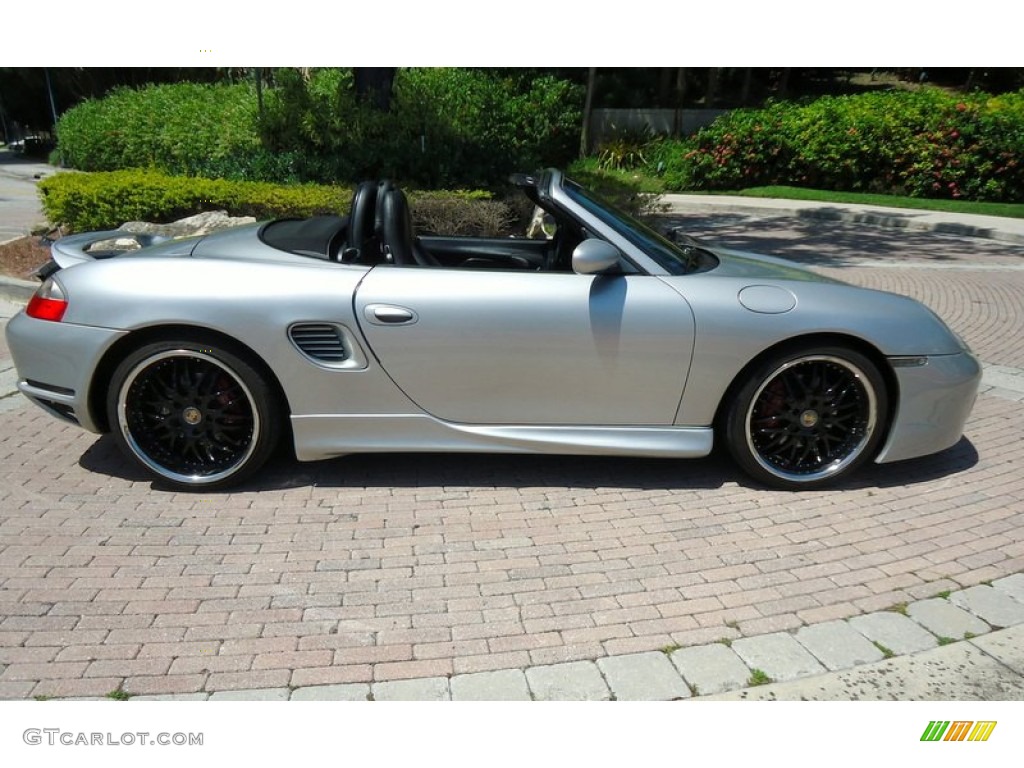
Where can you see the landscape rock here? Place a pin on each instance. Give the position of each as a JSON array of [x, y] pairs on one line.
[[200, 224]]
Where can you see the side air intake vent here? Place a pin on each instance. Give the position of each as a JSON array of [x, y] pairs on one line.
[[321, 342]]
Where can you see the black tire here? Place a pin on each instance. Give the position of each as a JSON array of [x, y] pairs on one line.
[[807, 417], [196, 416]]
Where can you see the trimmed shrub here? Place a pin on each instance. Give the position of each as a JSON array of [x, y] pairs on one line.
[[461, 214], [91, 201], [177, 128], [925, 143], [96, 201]]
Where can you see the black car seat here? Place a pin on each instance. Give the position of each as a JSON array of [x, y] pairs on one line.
[[362, 245], [401, 246]]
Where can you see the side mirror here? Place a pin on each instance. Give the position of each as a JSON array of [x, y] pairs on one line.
[[593, 256]]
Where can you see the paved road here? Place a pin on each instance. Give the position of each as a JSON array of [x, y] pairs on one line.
[[406, 575]]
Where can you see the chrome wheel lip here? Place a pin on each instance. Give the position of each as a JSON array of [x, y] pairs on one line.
[[832, 468], [156, 467]]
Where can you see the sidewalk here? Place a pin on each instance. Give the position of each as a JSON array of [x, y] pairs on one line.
[[21, 210]]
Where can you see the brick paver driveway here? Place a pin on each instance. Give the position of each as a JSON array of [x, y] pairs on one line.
[[375, 568]]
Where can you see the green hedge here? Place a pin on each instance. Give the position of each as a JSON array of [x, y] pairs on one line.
[[446, 127], [172, 127], [105, 200], [92, 201], [925, 143]]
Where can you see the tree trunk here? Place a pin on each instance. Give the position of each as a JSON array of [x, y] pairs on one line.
[[374, 85], [712, 92], [748, 81], [783, 82], [665, 85], [680, 98], [588, 109]]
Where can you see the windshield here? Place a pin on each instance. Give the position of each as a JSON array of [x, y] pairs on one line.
[[675, 260]]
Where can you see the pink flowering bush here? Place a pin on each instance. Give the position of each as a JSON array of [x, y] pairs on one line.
[[925, 143]]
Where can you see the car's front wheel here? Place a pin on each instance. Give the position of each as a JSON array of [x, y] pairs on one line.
[[807, 417], [197, 416]]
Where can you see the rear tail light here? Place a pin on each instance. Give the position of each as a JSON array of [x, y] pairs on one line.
[[48, 303]]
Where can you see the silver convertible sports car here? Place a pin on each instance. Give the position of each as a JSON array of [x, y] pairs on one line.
[[351, 334]]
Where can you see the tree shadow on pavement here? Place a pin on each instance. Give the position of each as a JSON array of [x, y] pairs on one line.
[[836, 244]]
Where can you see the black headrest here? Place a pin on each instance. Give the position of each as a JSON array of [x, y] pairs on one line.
[[397, 228], [362, 214], [383, 187]]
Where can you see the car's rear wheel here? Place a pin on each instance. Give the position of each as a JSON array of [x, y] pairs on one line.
[[197, 416], [807, 417]]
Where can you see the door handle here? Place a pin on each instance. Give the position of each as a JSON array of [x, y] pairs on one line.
[[389, 314]]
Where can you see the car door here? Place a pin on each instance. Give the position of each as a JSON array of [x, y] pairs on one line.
[[507, 347]]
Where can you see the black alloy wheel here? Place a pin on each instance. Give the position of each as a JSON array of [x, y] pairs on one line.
[[199, 417], [809, 418]]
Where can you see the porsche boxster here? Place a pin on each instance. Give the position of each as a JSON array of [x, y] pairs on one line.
[[350, 333]]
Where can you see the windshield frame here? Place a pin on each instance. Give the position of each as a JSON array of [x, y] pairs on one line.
[[666, 254]]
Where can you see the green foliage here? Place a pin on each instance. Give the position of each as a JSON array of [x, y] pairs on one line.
[[925, 143], [105, 200], [94, 201], [447, 127], [758, 677], [632, 193], [887, 653], [900, 608], [177, 128], [626, 148]]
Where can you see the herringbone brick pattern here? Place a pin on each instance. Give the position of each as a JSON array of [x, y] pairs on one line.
[[379, 568]]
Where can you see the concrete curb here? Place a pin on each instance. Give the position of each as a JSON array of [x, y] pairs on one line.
[[918, 651], [993, 663]]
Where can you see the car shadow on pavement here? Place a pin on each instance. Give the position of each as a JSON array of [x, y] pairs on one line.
[[432, 470], [413, 470], [105, 458], [960, 458]]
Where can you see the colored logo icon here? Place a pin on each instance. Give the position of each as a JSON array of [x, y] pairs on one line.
[[958, 730]]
